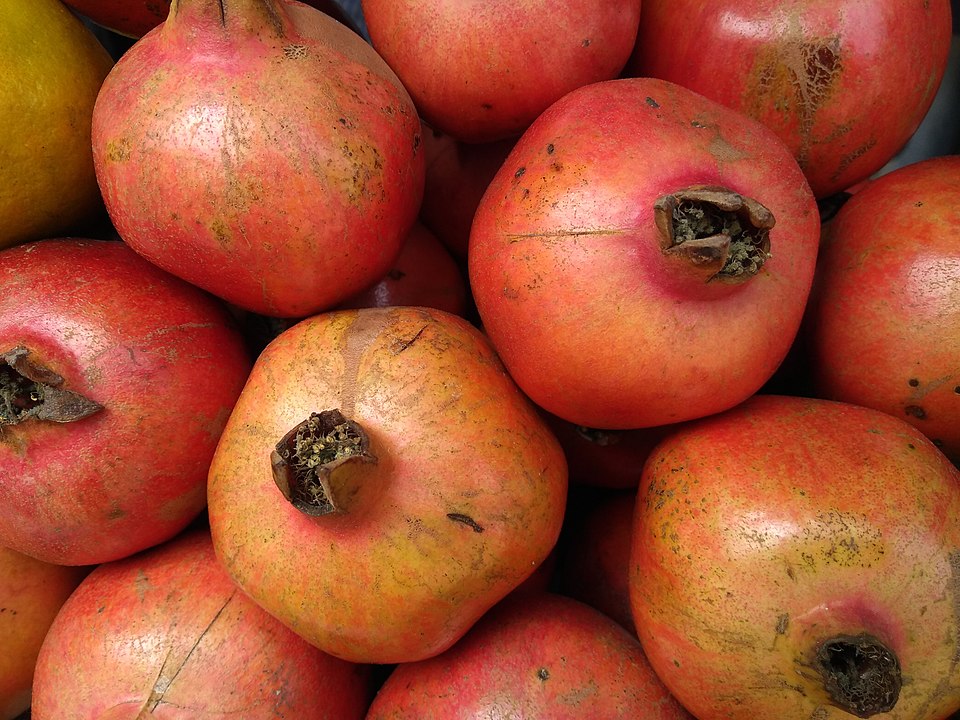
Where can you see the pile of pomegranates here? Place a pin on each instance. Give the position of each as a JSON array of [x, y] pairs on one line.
[[565, 359]]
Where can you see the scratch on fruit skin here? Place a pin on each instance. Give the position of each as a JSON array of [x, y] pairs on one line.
[[165, 680], [559, 234]]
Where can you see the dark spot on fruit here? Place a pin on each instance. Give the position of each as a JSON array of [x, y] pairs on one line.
[[957, 389], [550, 149], [466, 520], [416, 143], [543, 674], [519, 173], [486, 106], [783, 622], [937, 442], [911, 446], [915, 411], [913, 382], [652, 103], [556, 167], [918, 203], [697, 124], [586, 42], [676, 662]]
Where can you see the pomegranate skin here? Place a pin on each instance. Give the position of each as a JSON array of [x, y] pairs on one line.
[[763, 534], [135, 18], [883, 324], [165, 634], [844, 83], [462, 503], [272, 159], [482, 70], [536, 656], [594, 321], [163, 359]]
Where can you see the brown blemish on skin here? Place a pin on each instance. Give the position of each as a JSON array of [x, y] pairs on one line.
[[796, 77], [916, 411], [466, 520]]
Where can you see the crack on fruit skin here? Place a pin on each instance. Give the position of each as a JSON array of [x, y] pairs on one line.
[[164, 680], [560, 234], [403, 345], [722, 233], [466, 520]]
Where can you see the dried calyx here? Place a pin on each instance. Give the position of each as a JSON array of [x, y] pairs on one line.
[[722, 234], [860, 674], [312, 463], [30, 390]]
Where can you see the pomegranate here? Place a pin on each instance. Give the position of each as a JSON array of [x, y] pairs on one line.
[[382, 482], [259, 150], [425, 273], [457, 175], [165, 634], [116, 379], [136, 18], [31, 594], [538, 656], [887, 290], [605, 458], [814, 71], [594, 562], [482, 70], [643, 256], [800, 558]]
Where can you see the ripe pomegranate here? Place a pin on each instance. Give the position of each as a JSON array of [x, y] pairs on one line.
[[425, 274], [537, 656], [136, 18], [382, 482], [165, 634], [605, 458], [31, 594], [262, 151], [800, 558], [116, 379], [457, 175], [482, 70], [643, 256], [814, 71], [887, 290], [594, 562]]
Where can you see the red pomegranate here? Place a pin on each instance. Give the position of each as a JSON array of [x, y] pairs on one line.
[[424, 274], [799, 558], [136, 18], [382, 482], [262, 151], [31, 594], [536, 656], [457, 175], [844, 83], [883, 326], [116, 380], [165, 634], [482, 70], [594, 557], [643, 256]]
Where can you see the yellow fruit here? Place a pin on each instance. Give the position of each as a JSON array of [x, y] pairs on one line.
[[51, 68]]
